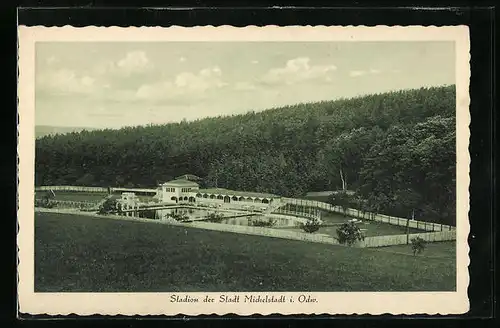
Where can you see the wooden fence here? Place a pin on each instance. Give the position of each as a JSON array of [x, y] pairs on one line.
[[379, 241], [422, 225], [71, 188]]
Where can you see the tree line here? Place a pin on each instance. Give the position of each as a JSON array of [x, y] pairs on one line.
[[396, 150]]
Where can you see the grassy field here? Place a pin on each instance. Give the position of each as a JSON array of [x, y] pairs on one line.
[[445, 249], [83, 254]]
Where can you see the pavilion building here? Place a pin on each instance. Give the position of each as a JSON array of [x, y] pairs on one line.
[[179, 191], [183, 191]]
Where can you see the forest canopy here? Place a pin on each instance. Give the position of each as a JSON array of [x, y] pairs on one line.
[[396, 150]]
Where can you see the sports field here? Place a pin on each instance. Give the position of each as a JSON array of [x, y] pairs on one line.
[[84, 254]]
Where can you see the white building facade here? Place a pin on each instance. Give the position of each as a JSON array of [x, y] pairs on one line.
[[183, 191], [179, 192]]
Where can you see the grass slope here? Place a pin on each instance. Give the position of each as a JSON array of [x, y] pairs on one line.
[[82, 254]]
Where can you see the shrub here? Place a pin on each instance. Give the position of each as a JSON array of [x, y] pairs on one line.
[[179, 216], [215, 217], [45, 203], [262, 223], [148, 214], [109, 206], [418, 245], [311, 225], [349, 233]]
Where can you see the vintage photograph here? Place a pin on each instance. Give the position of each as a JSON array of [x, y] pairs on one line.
[[246, 169]]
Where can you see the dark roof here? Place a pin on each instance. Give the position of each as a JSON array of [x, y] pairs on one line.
[[182, 182], [189, 177], [223, 191]]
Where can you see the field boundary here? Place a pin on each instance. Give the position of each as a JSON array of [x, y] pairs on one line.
[[368, 242], [420, 225]]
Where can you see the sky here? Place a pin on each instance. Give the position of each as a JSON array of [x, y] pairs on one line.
[[116, 84]]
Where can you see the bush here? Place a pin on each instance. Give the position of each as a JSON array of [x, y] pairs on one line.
[[349, 233], [418, 245], [45, 203], [261, 223], [148, 214], [179, 216], [312, 225], [109, 206], [215, 217]]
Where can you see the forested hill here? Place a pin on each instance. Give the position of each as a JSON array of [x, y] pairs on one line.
[[397, 149], [45, 130]]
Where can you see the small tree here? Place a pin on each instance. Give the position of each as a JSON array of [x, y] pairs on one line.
[[342, 199], [312, 225], [349, 233], [109, 206], [418, 245]]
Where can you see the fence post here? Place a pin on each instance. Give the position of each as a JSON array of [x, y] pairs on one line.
[[407, 231]]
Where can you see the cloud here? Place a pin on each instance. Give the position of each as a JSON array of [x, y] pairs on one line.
[[207, 78], [254, 61], [134, 61], [182, 59], [297, 70], [357, 73], [185, 84], [65, 81]]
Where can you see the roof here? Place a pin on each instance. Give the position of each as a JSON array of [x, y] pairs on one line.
[[223, 191], [182, 182], [327, 193], [134, 190], [189, 177]]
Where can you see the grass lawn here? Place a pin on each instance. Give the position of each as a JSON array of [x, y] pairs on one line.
[[83, 254], [445, 249]]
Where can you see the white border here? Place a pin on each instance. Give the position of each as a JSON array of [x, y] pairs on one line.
[[158, 303]]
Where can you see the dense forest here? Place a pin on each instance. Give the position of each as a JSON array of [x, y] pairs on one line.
[[396, 150]]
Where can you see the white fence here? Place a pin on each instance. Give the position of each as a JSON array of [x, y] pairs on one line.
[[379, 241], [422, 225], [71, 188], [267, 232]]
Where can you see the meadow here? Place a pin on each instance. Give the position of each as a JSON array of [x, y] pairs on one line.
[[84, 254]]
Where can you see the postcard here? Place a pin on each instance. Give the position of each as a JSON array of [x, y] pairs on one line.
[[255, 170]]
